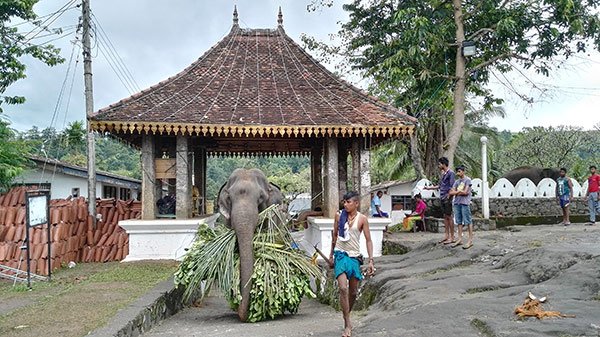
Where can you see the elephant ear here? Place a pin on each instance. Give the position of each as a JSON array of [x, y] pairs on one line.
[[225, 203], [275, 195]]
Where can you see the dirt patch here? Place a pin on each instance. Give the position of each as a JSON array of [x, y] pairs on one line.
[[79, 300]]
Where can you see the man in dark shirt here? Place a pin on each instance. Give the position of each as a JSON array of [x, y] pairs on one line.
[[445, 185]]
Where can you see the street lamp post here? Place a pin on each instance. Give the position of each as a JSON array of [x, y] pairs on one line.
[[485, 197]]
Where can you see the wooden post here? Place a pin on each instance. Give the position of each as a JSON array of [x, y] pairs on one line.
[[149, 188], [183, 207], [89, 108], [316, 176], [331, 187]]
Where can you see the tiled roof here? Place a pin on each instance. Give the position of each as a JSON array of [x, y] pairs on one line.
[[254, 81]]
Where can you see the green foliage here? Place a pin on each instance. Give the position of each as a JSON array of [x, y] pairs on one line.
[[117, 157], [15, 45], [292, 183], [13, 153], [70, 146], [552, 147], [212, 258], [391, 161], [281, 275]]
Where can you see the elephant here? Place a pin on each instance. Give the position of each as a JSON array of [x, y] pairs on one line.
[[246, 193], [535, 174]]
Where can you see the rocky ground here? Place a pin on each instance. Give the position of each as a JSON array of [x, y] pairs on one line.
[[437, 290]]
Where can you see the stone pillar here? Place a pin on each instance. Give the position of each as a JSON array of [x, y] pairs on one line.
[[316, 176], [365, 180], [149, 196], [355, 154], [485, 196], [183, 206], [200, 176], [342, 166], [331, 187]]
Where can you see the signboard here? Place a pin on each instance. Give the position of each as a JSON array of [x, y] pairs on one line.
[[37, 210], [38, 213]]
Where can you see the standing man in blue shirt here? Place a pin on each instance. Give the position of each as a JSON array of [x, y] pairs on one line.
[[446, 183], [564, 194], [461, 191]]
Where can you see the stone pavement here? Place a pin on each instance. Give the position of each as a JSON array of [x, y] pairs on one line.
[[439, 290], [214, 318]]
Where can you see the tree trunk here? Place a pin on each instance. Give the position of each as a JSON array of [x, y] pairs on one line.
[[458, 111], [415, 154], [434, 141]]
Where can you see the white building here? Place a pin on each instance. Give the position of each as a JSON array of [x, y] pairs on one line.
[[63, 180], [397, 195]]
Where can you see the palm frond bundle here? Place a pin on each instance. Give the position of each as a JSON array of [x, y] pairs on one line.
[[281, 275]]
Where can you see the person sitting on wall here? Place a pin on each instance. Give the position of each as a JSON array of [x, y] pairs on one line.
[[417, 214], [303, 216], [376, 206]]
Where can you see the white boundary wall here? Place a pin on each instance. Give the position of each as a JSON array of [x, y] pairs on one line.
[[524, 188]]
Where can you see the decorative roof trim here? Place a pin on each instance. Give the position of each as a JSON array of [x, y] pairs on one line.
[[162, 128]]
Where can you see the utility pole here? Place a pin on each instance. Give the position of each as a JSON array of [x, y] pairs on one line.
[[89, 108]]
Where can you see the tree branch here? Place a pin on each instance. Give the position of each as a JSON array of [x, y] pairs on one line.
[[496, 58], [475, 36]]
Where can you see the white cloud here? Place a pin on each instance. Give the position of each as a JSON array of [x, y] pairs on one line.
[[157, 39]]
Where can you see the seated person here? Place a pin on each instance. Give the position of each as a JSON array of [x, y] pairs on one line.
[[301, 220], [376, 211], [417, 214]]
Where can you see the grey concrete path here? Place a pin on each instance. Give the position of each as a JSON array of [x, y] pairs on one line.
[[214, 318]]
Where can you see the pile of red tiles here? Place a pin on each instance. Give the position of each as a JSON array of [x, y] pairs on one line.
[[73, 236]]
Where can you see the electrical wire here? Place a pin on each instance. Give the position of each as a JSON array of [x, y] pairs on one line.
[[44, 16], [45, 25], [56, 109], [110, 47], [119, 76]]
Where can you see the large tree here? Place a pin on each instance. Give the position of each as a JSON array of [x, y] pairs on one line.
[[16, 44], [412, 51]]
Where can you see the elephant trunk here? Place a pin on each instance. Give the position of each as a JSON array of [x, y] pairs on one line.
[[244, 218]]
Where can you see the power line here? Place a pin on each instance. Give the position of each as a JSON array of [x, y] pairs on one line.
[[120, 64], [44, 26], [57, 106], [124, 82], [42, 17], [63, 34]]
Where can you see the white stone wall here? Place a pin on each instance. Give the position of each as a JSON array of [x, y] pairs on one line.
[[524, 188]]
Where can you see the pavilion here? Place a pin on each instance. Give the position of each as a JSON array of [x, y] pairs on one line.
[[256, 92]]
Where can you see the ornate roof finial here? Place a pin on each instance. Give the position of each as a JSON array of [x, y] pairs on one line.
[[280, 17], [235, 15]]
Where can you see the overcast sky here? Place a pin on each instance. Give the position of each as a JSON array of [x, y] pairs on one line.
[[157, 39]]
